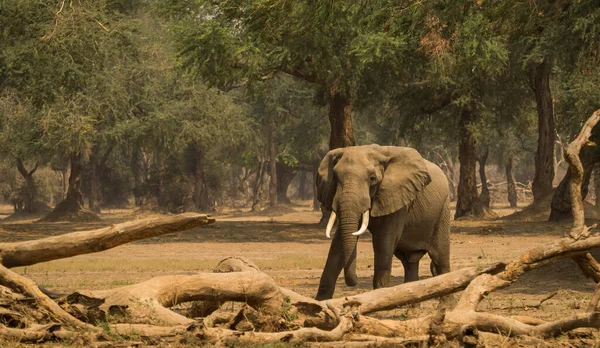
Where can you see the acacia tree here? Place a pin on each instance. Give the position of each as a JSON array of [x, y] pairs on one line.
[[20, 142], [91, 94], [466, 54], [25, 85], [179, 127], [547, 36], [331, 44], [288, 104]]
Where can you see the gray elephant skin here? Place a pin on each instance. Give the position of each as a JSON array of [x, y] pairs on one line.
[[400, 197]]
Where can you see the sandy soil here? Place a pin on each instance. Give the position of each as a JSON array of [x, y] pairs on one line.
[[289, 245]]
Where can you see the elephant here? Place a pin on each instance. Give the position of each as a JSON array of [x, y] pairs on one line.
[[400, 197]]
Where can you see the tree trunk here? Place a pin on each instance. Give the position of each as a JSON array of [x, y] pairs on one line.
[[484, 197], [74, 200], [302, 185], [272, 166], [98, 165], [139, 171], [467, 185], [260, 173], [510, 183], [285, 175], [71, 208], [340, 119], [451, 177], [65, 174], [201, 199], [164, 203], [561, 207], [96, 178], [544, 158], [31, 188]]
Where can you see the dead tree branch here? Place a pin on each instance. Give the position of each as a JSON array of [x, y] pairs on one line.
[[572, 157], [85, 242]]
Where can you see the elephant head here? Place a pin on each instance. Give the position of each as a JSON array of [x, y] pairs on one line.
[[361, 181]]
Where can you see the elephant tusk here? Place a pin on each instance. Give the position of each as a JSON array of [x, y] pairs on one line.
[[365, 224], [330, 223]]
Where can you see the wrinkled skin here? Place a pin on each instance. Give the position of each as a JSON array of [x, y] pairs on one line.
[[407, 200]]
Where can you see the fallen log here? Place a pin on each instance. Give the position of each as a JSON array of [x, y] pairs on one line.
[[414, 292], [148, 302], [85, 242], [28, 288]]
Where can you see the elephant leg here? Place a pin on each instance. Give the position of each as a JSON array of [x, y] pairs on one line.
[[440, 250], [332, 270], [383, 249], [410, 260]]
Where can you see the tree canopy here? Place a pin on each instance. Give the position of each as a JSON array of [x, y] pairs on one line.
[[187, 105]]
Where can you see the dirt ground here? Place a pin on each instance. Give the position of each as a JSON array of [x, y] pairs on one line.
[[291, 247]]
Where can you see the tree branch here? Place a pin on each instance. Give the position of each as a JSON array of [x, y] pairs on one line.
[[572, 157], [77, 243]]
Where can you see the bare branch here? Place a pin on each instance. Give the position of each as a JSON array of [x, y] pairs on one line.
[[572, 158], [77, 243]]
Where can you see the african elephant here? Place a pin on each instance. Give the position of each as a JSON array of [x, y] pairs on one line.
[[399, 196]]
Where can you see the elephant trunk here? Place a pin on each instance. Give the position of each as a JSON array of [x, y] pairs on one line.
[[349, 220]]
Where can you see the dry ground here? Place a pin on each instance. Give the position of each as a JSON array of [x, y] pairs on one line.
[[290, 246]]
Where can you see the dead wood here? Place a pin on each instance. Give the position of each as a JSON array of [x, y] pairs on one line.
[[414, 292], [148, 302], [359, 340], [28, 288], [219, 335], [85, 242], [38, 334], [593, 306], [148, 331], [477, 290], [589, 266], [572, 157]]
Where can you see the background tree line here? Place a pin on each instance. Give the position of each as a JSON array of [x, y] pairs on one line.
[[195, 104]]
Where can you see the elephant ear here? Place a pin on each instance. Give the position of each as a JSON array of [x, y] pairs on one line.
[[325, 182], [404, 176]]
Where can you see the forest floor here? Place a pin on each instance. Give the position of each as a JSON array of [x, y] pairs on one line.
[[291, 247]]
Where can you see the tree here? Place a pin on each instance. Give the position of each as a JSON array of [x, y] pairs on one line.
[[466, 54], [547, 36], [180, 127], [92, 96], [20, 141], [331, 44]]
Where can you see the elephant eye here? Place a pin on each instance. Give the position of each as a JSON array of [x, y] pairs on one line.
[[373, 178]]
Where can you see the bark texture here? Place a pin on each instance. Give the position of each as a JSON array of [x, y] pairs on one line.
[[544, 157], [285, 175], [71, 208], [340, 119], [589, 156], [468, 203], [77, 243]]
